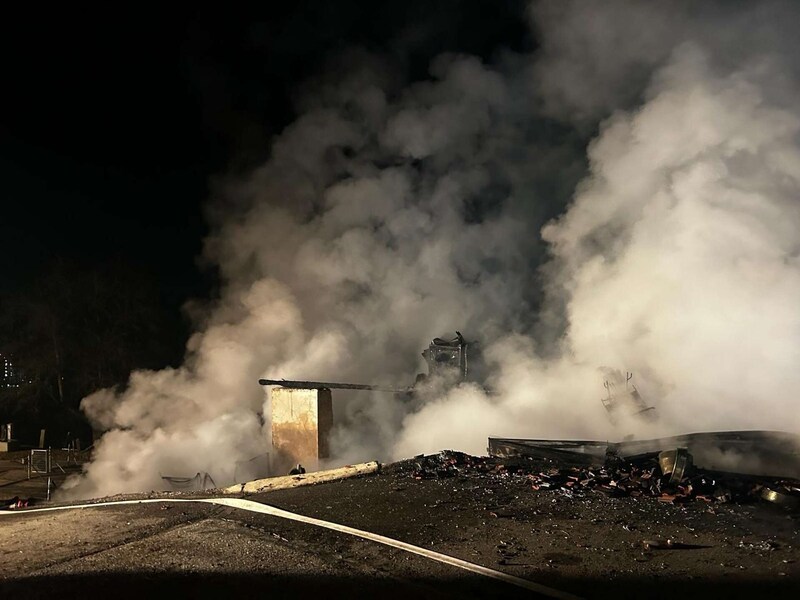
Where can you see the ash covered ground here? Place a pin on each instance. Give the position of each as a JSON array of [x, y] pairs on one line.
[[589, 539], [579, 534]]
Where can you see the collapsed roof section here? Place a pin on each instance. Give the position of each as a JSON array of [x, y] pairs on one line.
[[759, 453]]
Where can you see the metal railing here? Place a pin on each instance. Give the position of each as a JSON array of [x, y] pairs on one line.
[[39, 461]]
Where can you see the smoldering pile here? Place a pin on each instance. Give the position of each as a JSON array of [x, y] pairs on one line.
[[625, 195], [667, 476]]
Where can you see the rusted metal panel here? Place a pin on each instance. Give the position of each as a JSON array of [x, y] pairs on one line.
[[301, 424]]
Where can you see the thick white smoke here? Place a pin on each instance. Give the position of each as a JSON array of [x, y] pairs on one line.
[[678, 260], [383, 219]]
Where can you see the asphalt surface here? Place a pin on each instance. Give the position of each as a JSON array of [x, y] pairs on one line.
[[197, 550]]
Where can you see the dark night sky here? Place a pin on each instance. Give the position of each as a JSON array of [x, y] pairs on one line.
[[115, 120]]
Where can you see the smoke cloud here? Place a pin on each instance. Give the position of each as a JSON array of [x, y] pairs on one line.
[[625, 197]]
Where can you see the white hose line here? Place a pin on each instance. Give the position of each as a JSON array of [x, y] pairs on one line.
[[257, 507]]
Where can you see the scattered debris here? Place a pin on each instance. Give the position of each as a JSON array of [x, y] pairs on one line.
[[201, 481], [771, 454], [15, 503], [763, 546], [782, 494], [669, 545], [448, 358], [675, 463], [449, 463], [667, 476]]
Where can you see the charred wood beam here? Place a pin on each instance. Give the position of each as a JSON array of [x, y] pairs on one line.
[[319, 385]]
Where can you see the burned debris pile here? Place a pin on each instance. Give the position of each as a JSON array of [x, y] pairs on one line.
[[449, 463], [666, 476], [15, 503]]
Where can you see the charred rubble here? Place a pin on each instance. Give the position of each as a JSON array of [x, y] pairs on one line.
[[668, 476]]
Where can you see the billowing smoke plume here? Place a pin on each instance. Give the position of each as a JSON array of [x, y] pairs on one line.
[[387, 216]]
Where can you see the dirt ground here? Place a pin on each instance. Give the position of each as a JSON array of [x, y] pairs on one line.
[[592, 545]]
